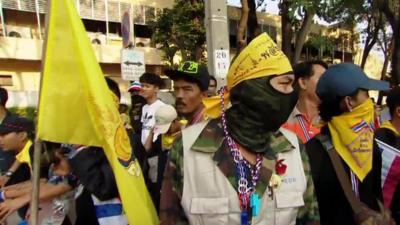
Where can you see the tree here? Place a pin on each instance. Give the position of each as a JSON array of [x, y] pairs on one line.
[[181, 30], [390, 8], [385, 43], [248, 22], [374, 19], [322, 43], [302, 13]]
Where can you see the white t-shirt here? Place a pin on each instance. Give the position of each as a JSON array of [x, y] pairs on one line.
[[148, 120]]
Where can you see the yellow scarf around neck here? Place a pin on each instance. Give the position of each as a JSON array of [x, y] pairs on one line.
[[352, 135], [23, 156], [388, 125]]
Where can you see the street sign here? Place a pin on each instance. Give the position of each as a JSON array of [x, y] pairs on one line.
[[221, 62], [132, 64], [127, 29]]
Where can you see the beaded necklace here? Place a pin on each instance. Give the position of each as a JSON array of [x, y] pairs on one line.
[[247, 196]]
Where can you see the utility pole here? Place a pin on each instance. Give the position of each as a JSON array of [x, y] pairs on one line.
[[217, 34]]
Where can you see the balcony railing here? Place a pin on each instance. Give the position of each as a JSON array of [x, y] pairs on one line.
[[90, 9]]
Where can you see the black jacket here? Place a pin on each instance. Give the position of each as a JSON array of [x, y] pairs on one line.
[[94, 172], [333, 205]]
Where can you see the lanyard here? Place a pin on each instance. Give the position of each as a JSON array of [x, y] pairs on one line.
[[303, 127], [247, 196]]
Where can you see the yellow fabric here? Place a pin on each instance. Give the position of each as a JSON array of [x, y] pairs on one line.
[[23, 156], [77, 108], [388, 125], [260, 58], [355, 147], [168, 140]]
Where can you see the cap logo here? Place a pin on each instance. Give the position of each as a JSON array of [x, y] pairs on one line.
[[189, 67]]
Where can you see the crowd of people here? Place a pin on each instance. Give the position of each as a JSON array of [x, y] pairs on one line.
[[280, 144]]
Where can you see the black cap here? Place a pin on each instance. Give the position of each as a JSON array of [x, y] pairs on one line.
[[16, 124], [192, 71]]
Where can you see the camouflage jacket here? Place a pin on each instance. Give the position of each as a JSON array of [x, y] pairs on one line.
[[171, 211]]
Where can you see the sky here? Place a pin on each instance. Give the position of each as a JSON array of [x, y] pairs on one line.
[[272, 6]]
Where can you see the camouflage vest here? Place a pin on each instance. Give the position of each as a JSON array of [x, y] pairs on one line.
[[208, 197]]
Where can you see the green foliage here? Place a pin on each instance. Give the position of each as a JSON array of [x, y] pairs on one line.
[[323, 44], [181, 30], [28, 112]]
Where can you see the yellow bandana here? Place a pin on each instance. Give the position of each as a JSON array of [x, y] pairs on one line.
[[23, 156], [260, 58], [352, 135], [388, 125]]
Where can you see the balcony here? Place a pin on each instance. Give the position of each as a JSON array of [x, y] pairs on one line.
[[31, 49]]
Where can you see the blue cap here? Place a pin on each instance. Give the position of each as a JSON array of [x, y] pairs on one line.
[[344, 79]]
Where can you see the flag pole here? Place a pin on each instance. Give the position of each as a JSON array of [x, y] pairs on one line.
[[34, 207]]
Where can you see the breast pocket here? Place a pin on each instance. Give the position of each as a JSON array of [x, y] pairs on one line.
[[209, 211], [287, 205]]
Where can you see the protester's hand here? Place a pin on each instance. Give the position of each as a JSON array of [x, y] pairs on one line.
[[10, 206], [3, 180]]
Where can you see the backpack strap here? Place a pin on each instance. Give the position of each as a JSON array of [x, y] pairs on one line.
[[343, 178]]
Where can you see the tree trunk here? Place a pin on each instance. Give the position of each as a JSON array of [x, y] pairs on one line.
[[252, 23], [396, 58], [302, 34], [287, 31], [367, 50], [371, 38], [198, 53], [383, 76], [241, 32], [394, 23]]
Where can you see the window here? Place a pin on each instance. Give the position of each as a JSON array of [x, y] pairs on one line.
[[150, 14], [270, 30], [139, 14], [6, 80]]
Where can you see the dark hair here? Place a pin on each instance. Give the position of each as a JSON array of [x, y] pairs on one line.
[[113, 86], [153, 79], [331, 107], [393, 99], [305, 69], [3, 96], [213, 78], [49, 150]]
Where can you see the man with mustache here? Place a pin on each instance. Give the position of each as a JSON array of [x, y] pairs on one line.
[[191, 82]]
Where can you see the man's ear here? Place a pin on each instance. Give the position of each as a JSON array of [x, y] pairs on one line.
[[397, 111], [22, 135], [204, 94], [302, 83], [347, 104]]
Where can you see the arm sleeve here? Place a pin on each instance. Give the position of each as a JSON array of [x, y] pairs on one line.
[[171, 211], [94, 172]]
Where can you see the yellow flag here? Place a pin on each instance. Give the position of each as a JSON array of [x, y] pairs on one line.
[[76, 107]]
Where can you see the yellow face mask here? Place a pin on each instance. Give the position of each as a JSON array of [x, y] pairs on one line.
[[352, 135]]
